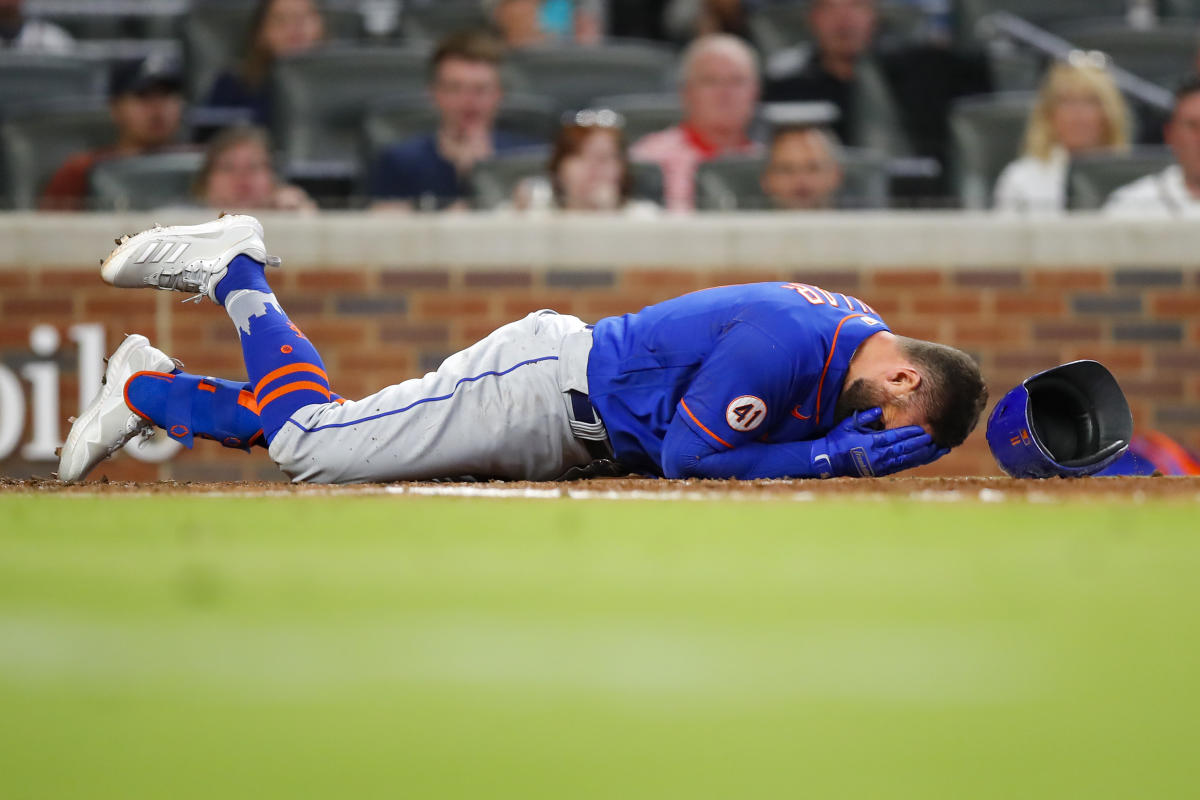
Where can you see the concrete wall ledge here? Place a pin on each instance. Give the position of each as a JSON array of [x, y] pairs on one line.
[[847, 240]]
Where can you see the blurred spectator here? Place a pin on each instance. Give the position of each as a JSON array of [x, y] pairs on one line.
[[1078, 110], [431, 170], [527, 23], [686, 19], [278, 28], [802, 172], [720, 91], [238, 175], [18, 32], [1174, 192], [923, 78], [519, 22], [589, 170], [146, 103], [637, 19]]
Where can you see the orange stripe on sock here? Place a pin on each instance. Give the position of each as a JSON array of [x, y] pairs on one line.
[[288, 370], [298, 386], [246, 401], [683, 405]]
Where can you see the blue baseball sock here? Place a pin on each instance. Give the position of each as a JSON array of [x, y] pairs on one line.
[[286, 372], [186, 406]]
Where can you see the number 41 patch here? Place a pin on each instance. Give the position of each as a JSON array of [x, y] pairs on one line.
[[746, 413]]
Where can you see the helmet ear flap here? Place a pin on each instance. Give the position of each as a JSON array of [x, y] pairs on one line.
[[1071, 420]]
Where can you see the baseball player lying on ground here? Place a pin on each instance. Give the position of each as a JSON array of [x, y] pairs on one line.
[[766, 380]]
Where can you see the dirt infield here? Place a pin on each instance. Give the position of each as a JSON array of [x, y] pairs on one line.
[[929, 489]]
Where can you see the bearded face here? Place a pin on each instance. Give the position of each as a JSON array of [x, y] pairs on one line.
[[860, 396]]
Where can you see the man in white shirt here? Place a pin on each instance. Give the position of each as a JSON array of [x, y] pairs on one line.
[[31, 35], [1174, 192]]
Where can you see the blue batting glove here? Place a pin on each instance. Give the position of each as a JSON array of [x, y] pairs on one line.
[[856, 449]]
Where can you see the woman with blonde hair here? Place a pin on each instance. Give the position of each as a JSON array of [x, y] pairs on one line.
[[1078, 110]]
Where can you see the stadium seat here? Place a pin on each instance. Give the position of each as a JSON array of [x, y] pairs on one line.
[[779, 26], [1164, 54], [143, 183], [432, 20], [1186, 9], [493, 182], [1050, 15], [399, 117], [36, 141], [644, 113], [215, 34], [986, 134], [734, 183], [575, 76], [878, 125], [1013, 69], [321, 97], [92, 19], [1093, 178], [28, 78]]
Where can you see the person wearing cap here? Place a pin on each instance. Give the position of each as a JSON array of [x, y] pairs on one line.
[[720, 92], [146, 104], [430, 171], [28, 35]]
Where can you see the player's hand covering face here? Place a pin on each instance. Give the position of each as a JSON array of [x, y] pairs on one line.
[[858, 448]]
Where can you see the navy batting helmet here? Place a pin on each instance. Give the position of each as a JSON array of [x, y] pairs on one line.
[[1068, 421]]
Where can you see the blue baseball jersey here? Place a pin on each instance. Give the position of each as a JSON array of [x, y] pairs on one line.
[[736, 365]]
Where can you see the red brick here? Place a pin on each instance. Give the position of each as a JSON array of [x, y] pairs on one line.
[[848, 281], [1194, 389], [673, 281], [970, 332], [597, 305], [15, 335], [486, 279], [1067, 331], [1033, 304], [518, 305], [1070, 279], [16, 278], [886, 305], [409, 333], [908, 279], [1157, 388], [38, 306], [332, 281], [472, 331], [395, 360], [118, 304], [1033, 361], [1177, 305], [329, 332], [949, 304], [450, 306], [1125, 359], [929, 331], [728, 277], [69, 278], [415, 279]]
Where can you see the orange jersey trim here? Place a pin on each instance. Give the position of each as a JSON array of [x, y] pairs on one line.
[[829, 360], [298, 386], [683, 405], [288, 370]]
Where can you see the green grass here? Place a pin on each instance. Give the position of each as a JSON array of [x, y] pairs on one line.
[[399, 647]]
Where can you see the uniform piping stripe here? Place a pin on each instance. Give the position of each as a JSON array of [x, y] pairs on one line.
[[422, 401], [683, 405], [288, 370], [298, 386], [829, 360]]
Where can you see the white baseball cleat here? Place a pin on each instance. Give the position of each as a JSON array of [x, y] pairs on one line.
[[108, 423], [185, 258]]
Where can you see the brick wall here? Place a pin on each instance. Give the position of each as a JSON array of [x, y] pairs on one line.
[[379, 324]]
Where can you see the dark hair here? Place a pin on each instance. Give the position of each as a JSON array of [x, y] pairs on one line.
[[223, 141], [257, 61], [477, 46], [570, 141], [1186, 89], [952, 392]]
